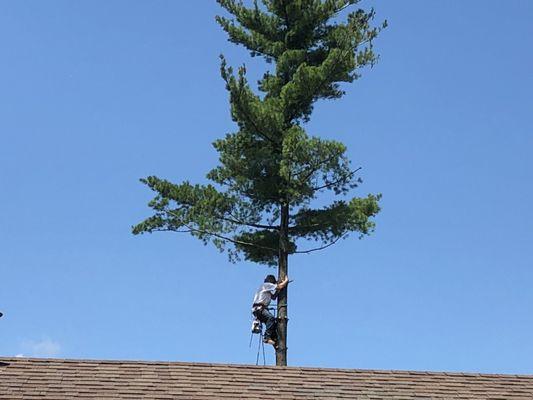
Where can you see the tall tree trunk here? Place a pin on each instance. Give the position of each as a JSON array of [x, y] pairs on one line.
[[283, 264]]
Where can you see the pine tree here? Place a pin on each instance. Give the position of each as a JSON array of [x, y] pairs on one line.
[[259, 206]]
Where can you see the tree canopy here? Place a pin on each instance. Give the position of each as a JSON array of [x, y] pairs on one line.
[[270, 163]]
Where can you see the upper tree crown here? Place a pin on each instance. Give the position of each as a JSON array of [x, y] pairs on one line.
[[270, 161]]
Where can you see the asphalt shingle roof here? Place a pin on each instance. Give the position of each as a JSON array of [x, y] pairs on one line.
[[23, 378]]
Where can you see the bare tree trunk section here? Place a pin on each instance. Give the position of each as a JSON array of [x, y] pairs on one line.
[[281, 351]]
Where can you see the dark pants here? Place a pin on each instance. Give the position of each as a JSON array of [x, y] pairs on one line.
[[271, 325]]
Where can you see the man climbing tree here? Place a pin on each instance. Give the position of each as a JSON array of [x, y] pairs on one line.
[[260, 205], [267, 291]]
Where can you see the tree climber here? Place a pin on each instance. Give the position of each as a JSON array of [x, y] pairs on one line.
[[266, 292]]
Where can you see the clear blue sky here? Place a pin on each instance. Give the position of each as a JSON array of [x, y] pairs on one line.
[[96, 94]]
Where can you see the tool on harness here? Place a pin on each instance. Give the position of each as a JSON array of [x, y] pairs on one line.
[[256, 326]]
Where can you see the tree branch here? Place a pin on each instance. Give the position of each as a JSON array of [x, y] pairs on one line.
[[316, 167], [258, 131], [258, 226], [204, 232], [252, 196], [296, 228], [327, 185], [319, 248], [233, 221]]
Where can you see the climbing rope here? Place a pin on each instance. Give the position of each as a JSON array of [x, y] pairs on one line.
[[261, 343]]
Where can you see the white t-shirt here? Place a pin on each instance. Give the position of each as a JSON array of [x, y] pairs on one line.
[[264, 293]]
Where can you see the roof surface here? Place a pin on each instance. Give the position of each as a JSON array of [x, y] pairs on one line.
[[23, 378]]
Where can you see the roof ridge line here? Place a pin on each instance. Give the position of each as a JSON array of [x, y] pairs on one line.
[[302, 368]]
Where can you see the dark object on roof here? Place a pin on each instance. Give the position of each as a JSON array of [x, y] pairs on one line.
[[22, 378]]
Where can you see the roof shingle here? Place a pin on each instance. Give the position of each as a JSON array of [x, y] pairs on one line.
[[23, 378]]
